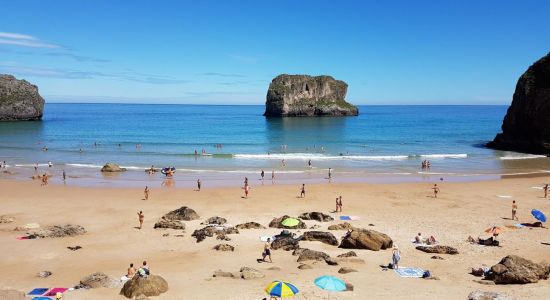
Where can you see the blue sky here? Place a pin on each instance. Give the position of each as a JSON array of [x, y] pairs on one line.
[[227, 52]]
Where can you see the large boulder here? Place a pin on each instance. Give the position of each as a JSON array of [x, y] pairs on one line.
[[526, 126], [438, 249], [250, 225], [321, 236], [276, 223], [112, 168], [19, 100], [153, 285], [366, 239], [317, 216], [286, 243], [513, 269], [307, 254], [183, 213], [484, 295], [303, 95]]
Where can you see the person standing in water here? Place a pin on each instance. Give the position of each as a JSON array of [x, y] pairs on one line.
[[273, 176], [198, 185], [514, 211], [545, 190], [64, 175], [141, 217], [303, 191], [329, 173], [436, 190], [309, 163], [262, 174]]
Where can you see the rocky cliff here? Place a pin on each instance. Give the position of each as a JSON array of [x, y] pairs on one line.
[[526, 126], [303, 95], [19, 100]]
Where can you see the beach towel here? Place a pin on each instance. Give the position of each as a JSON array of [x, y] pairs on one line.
[[38, 291], [265, 237], [410, 272], [504, 196], [41, 298], [54, 291], [22, 238], [349, 218]]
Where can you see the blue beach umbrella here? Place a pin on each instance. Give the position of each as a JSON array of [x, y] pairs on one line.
[[539, 215], [330, 283]]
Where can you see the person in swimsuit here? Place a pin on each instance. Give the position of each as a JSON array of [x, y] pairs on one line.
[[198, 185], [131, 271], [545, 190], [396, 257], [436, 190], [340, 203], [262, 174], [146, 193], [329, 173], [246, 190], [303, 191], [64, 175], [337, 205], [273, 176], [267, 250], [141, 217], [514, 210], [309, 163]]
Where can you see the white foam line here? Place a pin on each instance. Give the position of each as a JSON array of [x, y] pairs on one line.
[[521, 157], [444, 155]]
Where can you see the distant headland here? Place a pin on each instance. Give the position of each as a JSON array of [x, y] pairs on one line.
[[19, 100], [307, 96]]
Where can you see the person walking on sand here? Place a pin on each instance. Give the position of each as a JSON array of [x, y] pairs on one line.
[[64, 175], [246, 190], [337, 205], [141, 217], [545, 190], [198, 185], [267, 250], [329, 173], [514, 210], [339, 201], [436, 190], [396, 257], [146, 193], [303, 191], [262, 174]]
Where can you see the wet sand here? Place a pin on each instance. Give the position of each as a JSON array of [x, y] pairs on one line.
[[400, 210]]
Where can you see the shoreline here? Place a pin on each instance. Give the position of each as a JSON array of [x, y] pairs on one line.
[[397, 209]]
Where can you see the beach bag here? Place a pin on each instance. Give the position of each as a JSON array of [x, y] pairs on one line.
[[426, 274]]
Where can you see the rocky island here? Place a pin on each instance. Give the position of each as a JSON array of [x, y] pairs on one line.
[[307, 96], [526, 126], [19, 100]]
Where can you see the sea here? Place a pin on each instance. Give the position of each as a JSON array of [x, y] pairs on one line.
[[222, 144]]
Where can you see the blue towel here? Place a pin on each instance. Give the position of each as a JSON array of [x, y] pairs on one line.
[[41, 298], [345, 218], [410, 272], [38, 291]]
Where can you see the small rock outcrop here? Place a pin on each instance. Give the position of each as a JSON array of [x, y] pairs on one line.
[[513, 269], [210, 231], [112, 168], [307, 254], [342, 226], [285, 242], [303, 95], [6, 219], [321, 236], [439, 249], [276, 223], [183, 213], [150, 286], [346, 270], [526, 126], [250, 273], [317, 216], [250, 225], [58, 231], [224, 247], [19, 100], [348, 254], [214, 220], [12, 295], [163, 223], [366, 239], [98, 280], [482, 295]]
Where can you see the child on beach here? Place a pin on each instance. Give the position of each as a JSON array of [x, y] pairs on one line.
[[246, 190], [146, 193], [303, 191], [436, 190], [514, 210], [141, 217]]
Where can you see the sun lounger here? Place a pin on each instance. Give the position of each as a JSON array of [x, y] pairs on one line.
[[410, 272], [54, 291], [38, 291]]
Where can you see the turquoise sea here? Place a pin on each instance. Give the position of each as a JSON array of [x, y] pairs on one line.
[[385, 143]]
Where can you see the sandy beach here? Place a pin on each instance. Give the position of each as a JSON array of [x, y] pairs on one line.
[[399, 210]]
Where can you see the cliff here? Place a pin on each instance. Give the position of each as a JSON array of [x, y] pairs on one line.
[[526, 126], [303, 95], [19, 100]]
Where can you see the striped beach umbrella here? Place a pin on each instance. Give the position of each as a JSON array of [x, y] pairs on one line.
[[290, 222], [281, 289]]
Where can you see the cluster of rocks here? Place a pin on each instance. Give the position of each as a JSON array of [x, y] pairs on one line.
[[6, 219], [246, 273], [58, 231], [342, 226], [210, 231], [305, 254], [175, 218], [97, 280], [439, 249], [250, 225], [276, 223]]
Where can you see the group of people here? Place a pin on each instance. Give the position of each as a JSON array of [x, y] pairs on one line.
[[143, 271], [426, 165], [3, 165]]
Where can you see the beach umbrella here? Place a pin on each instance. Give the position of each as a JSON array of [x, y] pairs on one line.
[[290, 222], [330, 283], [539, 215], [281, 289], [494, 230]]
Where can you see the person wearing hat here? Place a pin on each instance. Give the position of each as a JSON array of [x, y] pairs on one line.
[[396, 257]]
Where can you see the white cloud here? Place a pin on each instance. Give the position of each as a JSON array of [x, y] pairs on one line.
[[24, 40]]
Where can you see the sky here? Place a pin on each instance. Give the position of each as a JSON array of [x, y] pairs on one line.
[[227, 52]]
